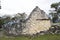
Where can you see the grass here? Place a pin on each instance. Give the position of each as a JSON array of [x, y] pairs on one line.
[[41, 37]]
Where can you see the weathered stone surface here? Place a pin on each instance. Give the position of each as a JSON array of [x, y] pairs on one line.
[[37, 21], [55, 29]]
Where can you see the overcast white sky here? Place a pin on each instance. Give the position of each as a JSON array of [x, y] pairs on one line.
[[11, 7]]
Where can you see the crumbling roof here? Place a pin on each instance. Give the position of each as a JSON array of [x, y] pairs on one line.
[[42, 14]]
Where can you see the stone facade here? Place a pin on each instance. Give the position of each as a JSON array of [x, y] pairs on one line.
[[36, 22]]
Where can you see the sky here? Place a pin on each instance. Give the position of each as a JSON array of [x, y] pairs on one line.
[[11, 7]]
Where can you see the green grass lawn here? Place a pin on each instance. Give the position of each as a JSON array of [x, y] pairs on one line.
[[41, 37]]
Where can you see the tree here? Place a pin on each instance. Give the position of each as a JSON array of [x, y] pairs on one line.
[[55, 13], [1, 22]]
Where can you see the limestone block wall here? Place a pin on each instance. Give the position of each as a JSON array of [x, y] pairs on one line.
[[35, 26]]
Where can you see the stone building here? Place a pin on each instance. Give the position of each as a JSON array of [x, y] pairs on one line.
[[36, 22]]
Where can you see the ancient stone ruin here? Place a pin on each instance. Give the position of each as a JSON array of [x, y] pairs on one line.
[[37, 22]]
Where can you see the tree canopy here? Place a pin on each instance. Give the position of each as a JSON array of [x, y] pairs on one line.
[[55, 13]]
